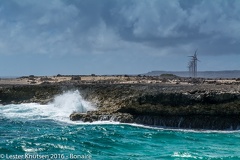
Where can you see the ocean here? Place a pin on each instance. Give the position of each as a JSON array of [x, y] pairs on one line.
[[34, 131]]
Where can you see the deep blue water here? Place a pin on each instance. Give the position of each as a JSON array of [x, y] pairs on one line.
[[33, 131]]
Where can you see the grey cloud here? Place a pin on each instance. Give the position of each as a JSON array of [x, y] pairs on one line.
[[216, 17], [212, 25], [94, 26]]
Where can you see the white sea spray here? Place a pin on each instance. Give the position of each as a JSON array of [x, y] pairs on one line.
[[60, 109]]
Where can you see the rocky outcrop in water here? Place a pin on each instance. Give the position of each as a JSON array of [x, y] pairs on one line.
[[180, 106], [197, 107]]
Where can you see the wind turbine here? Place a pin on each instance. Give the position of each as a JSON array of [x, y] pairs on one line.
[[194, 64], [190, 68]]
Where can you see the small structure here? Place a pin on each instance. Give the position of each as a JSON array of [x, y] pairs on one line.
[[76, 78]]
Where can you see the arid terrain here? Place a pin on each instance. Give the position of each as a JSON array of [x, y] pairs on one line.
[[115, 79], [165, 100]]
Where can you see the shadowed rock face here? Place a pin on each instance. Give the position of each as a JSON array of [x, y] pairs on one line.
[[196, 107], [178, 106], [28, 94]]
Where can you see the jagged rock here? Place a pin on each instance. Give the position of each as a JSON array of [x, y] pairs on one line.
[[91, 117], [189, 107], [185, 106], [77, 116]]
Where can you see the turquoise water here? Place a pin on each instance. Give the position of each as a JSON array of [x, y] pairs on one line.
[[33, 131]]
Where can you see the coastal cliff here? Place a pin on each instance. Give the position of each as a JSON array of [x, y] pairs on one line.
[[191, 106], [208, 106]]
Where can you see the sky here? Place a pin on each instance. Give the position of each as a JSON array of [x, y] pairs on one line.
[[50, 37]]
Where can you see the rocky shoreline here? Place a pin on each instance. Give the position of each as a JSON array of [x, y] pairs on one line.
[[192, 106]]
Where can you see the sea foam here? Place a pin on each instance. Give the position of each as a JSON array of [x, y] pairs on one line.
[[60, 109], [65, 104]]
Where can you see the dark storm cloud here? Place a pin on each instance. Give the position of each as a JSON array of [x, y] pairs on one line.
[[208, 25], [122, 26]]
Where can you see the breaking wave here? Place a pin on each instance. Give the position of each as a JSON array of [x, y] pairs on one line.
[[60, 109]]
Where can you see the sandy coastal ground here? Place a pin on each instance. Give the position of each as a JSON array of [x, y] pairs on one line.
[[117, 79]]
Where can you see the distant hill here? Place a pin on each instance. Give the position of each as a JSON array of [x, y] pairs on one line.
[[202, 74]]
